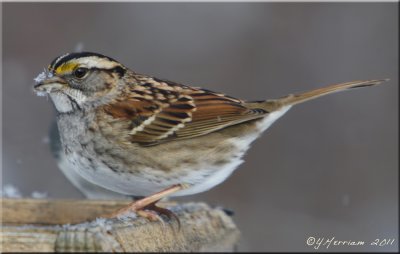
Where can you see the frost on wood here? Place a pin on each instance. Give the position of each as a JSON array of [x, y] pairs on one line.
[[203, 228], [10, 191], [38, 194]]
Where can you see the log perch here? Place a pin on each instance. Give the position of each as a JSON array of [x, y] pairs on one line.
[[37, 225]]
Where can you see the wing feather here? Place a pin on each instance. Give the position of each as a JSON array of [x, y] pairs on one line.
[[183, 112]]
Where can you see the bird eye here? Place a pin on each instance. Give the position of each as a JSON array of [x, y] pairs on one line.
[[80, 72]]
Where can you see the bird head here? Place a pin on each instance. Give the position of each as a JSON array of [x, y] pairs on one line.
[[78, 80]]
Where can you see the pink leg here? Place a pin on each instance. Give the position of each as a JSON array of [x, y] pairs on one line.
[[148, 203]]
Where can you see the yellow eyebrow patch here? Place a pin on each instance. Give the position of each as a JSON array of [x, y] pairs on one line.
[[66, 67]]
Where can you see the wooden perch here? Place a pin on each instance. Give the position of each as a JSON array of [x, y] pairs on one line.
[[37, 225]]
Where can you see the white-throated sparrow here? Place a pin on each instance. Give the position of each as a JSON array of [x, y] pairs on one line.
[[136, 135]]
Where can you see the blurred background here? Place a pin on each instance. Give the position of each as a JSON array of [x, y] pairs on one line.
[[328, 168]]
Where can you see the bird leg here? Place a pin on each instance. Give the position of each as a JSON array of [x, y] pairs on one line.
[[146, 207]]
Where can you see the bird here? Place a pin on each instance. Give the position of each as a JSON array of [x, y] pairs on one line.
[[139, 135]]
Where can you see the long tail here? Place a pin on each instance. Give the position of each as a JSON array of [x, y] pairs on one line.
[[293, 99]]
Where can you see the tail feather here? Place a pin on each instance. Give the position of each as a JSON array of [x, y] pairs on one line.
[[293, 99]]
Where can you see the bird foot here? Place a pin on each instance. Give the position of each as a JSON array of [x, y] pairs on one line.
[[146, 207]]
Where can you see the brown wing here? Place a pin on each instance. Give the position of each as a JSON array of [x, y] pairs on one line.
[[163, 111], [216, 111]]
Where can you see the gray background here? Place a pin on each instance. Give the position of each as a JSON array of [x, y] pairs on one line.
[[329, 168]]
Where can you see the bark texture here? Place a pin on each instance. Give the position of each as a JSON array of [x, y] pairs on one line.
[[36, 225]]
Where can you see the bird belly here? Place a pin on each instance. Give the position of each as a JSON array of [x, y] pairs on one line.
[[201, 162], [200, 174]]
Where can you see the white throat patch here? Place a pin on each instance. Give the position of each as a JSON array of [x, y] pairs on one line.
[[62, 103]]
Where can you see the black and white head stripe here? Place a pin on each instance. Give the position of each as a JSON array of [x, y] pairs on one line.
[[87, 59]]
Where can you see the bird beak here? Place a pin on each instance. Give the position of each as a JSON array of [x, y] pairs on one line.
[[50, 85]]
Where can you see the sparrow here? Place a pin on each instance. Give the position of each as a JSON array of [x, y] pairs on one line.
[[139, 135]]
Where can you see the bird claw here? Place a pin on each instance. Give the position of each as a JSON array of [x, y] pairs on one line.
[[164, 211], [170, 215], [150, 215], [146, 207]]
